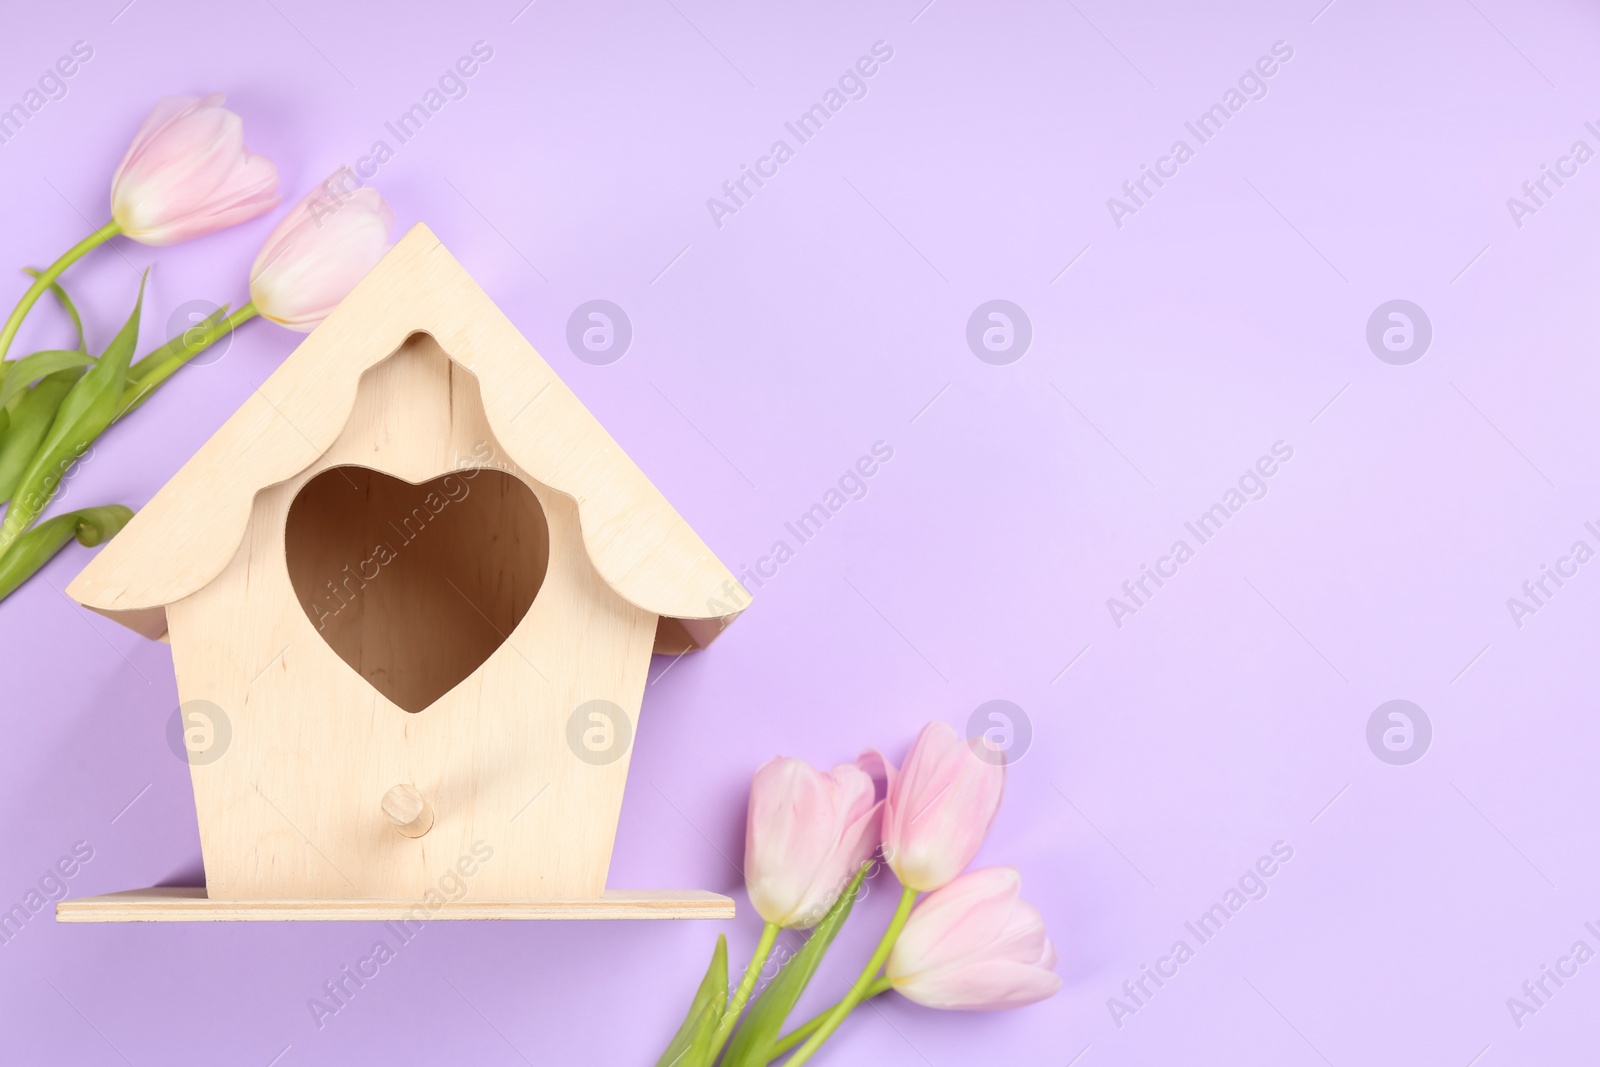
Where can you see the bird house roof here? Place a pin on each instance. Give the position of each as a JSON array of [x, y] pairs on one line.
[[183, 538]]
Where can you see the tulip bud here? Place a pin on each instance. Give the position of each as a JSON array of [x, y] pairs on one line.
[[808, 834], [939, 808], [975, 945], [318, 253], [187, 173]]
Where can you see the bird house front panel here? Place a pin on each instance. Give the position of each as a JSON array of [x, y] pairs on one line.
[[402, 649]]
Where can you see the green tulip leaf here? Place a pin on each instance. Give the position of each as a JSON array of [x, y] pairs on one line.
[[29, 369], [752, 1044], [88, 409], [691, 1045], [36, 547], [66, 304], [29, 422]]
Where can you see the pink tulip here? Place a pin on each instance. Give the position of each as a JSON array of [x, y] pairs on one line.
[[808, 834], [188, 173], [318, 253], [975, 945], [939, 808]]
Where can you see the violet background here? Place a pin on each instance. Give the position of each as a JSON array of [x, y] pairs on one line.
[[829, 313]]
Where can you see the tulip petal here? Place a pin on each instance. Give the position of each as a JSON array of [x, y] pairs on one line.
[[995, 985], [318, 253], [879, 769], [975, 945], [188, 173], [965, 917], [940, 807], [807, 834]]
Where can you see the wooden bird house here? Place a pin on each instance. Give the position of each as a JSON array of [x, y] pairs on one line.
[[412, 588]]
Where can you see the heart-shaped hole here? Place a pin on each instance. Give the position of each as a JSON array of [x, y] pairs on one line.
[[416, 586]]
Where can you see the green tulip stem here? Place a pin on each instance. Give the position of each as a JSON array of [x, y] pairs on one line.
[[243, 315], [800, 1033], [859, 989], [51, 273], [769, 934]]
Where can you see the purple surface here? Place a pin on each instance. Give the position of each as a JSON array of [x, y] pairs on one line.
[[828, 313]]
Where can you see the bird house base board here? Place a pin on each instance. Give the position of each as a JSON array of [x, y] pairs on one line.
[[190, 904]]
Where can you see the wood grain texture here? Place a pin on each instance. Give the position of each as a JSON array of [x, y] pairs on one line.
[[192, 905], [291, 810], [189, 532]]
